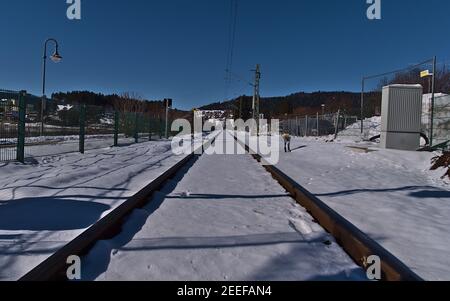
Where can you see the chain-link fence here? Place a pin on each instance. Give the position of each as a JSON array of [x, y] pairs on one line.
[[341, 125], [336, 124], [67, 128], [434, 79], [441, 119], [431, 75]]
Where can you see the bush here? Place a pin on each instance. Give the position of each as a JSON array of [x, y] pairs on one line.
[[442, 162]]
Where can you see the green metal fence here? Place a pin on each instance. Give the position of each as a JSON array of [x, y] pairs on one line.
[[138, 127], [67, 128], [9, 120]]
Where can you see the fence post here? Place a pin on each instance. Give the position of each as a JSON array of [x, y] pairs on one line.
[[318, 134], [337, 124], [82, 126], [21, 128], [149, 128], [160, 128], [116, 128], [136, 128], [306, 125]]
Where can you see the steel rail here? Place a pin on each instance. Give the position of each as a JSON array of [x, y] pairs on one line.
[[54, 268], [358, 245]]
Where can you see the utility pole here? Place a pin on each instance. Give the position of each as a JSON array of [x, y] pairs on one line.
[[256, 97], [362, 105], [168, 105], [433, 87]]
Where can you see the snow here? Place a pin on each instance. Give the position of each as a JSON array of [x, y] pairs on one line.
[[426, 105], [441, 116], [51, 200], [55, 145], [108, 121], [372, 128], [352, 133], [390, 195], [64, 107], [222, 218], [55, 139]]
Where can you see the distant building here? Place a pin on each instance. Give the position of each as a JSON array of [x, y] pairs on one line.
[[8, 102]]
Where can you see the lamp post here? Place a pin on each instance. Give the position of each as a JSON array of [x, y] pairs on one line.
[[56, 58], [323, 111]]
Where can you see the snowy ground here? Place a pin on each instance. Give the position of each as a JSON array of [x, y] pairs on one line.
[[225, 218], [390, 195], [49, 146], [372, 128], [48, 202]]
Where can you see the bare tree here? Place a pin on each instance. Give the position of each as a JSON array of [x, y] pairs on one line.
[[130, 102]]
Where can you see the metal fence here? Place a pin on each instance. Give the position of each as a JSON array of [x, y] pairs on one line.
[[336, 124], [441, 120], [345, 126], [9, 116], [67, 128], [435, 126]]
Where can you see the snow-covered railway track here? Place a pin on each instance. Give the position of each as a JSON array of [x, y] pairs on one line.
[[225, 218], [356, 243], [221, 225], [55, 267]]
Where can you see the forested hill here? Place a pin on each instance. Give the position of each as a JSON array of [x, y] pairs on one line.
[[126, 102], [350, 102], [302, 103]]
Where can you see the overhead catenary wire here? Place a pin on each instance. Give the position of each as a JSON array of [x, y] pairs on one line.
[[399, 70], [240, 78], [411, 67]]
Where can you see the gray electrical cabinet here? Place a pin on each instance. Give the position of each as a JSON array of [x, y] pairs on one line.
[[401, 117]]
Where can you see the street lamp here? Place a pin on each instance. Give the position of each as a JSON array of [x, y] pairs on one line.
[[56, 58], [323, 110]]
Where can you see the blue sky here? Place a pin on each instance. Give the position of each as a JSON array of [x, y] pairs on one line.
[[178, 48]]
